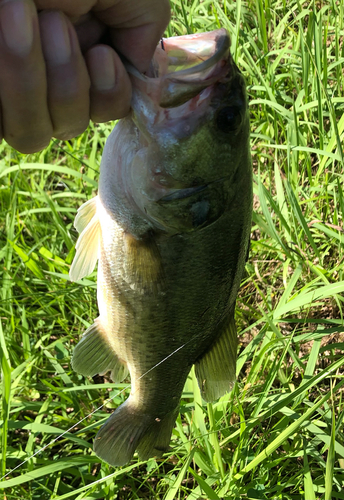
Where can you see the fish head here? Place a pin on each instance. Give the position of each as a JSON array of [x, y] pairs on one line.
[[191, 115]]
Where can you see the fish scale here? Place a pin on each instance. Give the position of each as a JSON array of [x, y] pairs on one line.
[[170, 227]]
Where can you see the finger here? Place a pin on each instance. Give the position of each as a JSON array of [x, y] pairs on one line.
[[67, 76], [1, 133], [110, 84], [137, 26], [25, 117], [72, 8], [89, 31]]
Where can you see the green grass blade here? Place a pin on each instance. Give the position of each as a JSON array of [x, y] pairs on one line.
[[306, 298], [47, 470], [284, 435], [330, 462], [307, 478], [205, 486], [173, 490], [6, 398], [48, 168], [300, 218]]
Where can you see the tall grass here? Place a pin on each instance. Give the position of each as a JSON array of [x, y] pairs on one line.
[[279, 434]]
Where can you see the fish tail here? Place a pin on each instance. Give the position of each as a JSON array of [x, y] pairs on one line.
[[156, 440], [129, 429]]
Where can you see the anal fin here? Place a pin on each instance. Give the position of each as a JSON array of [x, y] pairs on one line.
[[93, 355], [215, 370]]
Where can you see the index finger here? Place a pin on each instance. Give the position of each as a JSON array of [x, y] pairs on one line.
[[136, 26], [73, 8]]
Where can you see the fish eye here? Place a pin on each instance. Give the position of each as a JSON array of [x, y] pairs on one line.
[[228, 118]]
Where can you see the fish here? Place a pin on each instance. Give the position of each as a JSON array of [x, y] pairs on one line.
[[170, 229]]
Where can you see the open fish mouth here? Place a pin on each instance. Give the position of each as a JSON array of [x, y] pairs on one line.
[[190, 58], [184, 66]]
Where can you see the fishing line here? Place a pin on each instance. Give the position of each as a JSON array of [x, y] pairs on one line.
[[94, 411], [57, 142]]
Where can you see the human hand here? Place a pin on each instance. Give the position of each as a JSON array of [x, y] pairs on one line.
[[54, 75]]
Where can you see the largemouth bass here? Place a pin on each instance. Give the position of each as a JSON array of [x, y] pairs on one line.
[[170, 228]]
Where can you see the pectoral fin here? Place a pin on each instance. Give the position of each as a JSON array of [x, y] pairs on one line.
[[215, 370], [85, 214], [87, 246], [143, 265], [93, 355]]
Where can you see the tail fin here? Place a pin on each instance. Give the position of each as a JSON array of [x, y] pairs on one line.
[[156, 440], [129, 429]]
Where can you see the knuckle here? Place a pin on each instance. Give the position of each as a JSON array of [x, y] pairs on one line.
[[69, 94], [28, 145], [28, 140], [113, 106], [166, 12], [161, 14], [64, 133], [75, 8]]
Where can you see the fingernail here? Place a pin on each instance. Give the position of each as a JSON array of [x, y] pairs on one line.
[[16, 24], [55, 38], [101, 68]]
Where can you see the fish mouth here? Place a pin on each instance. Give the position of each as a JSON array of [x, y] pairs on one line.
[[190, 57], [183, 66]]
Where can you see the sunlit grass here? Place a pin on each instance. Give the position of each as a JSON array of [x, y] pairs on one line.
[[278, 435]]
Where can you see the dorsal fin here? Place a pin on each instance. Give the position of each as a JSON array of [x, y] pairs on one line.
[[87, 246]]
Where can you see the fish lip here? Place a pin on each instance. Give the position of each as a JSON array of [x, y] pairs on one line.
[[221, 49], [180, 194]]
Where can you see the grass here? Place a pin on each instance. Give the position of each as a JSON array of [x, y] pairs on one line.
[[279, 434]]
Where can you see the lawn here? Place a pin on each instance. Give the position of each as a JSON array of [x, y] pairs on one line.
[[279, 433]]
